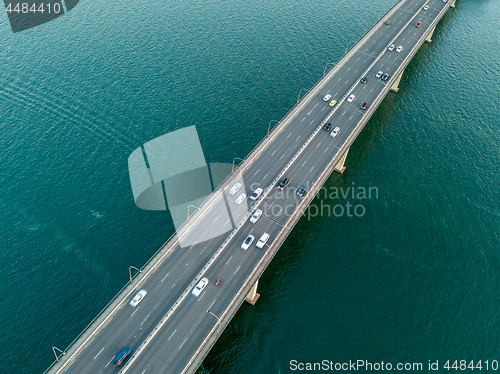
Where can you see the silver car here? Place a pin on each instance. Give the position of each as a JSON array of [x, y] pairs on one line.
[[256, 215], [137, 298], [335, 132], [327, 97], [256, 194], [399, 49], [351, 98], [391, 47], [379, 74], [248, 242], [200, 287]]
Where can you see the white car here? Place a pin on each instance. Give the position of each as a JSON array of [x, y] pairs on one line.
[[235, 188], [327, 97], [256, 194], [399, 49], [256, 216], [137, 298], [335, 132], [263, 240], [426, 7], [241, 198], [200, 287], [391, 47], [248, 241], [379, 74], [351, 98]]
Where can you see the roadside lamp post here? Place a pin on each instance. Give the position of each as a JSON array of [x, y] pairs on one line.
[[236, 158], [218, 322], [54, 349], [130, 271], [194, 206], [298, 98], [269, 126], [330, 63]]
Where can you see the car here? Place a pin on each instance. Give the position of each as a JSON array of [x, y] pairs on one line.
[[363, 106], [121, 356], [240, 198], [387, 22], [335, 132], [256, 194], [263, 240], [363, 80], [418, 24], [301, 191], [256, 215], [427, 7], [333, 102], [391, 47], [399, 49], [379, 74], [235, 188], [200, 286], [327, 97], [138, 297], [351, 98], [385, 76], [248, 242], [445, 1], [283, 184], [327, 127]]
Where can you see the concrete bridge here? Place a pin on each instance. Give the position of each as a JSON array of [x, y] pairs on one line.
[[171, 330]]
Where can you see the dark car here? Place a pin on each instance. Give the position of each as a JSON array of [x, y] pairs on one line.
[[301, 191], [363, 106], [418, 24], [363, 80], [387, 22], [327, 127], [283, 184], [120, 357], [385, 76]]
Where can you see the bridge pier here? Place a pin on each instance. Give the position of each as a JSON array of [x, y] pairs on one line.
[[253, 296], [452, 4], [395, 85], [339, 168], [429, 35]]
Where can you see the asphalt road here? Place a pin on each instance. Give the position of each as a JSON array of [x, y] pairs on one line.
[[186, 328]]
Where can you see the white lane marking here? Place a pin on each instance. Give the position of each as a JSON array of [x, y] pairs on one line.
[[173, 286], [273, 153], [371, 90], [229, 260], [229, 220], [316, 105], [237, 269], [309, 112], [215, 219], [364, 61], [99, 353], [211, 305], [303, 119], [250, 232], [344, 112], [326, 150], [318, 145], [265, 176], [346, 82], [305, 162], [282, 156], [145, 319], [166, 276], [289, 135], [194, 244], [357, 59], [183, 343], [172, 334], [348, 69], [350, 118], [297, 138], [311, 169], [257, 172], [312, 122], [109, 362], [143, 371], [323, 108], [356, 70], [201, 297], [135, 311]]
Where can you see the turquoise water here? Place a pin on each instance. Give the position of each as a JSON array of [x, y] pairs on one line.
[[414, 279]]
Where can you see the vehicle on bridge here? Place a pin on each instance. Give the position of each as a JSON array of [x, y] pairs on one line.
[[200, 287], [327, 127], [327, 97], [235, 188], [256, 194], [399, 49], [248, 242], [351, 98], [363, 80], [379, 74], [256, 215], [301, 191], [283, 184], [426, 7], [137, 298], [241, 198], [335, 132], [387, 22], [121, 356], [263, 240], [418, 24], [385, 76], [391, 47], [333, 102], [363, 106]]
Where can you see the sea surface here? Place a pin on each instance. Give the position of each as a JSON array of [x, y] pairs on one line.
[[415, 278]]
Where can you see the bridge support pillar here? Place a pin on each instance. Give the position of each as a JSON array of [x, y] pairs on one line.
[[452, 4], [395, 85], [253, 296], [339, 168], [429, 35]]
